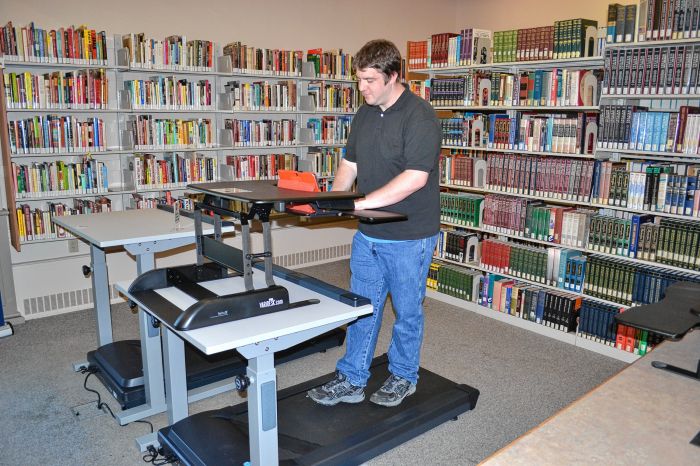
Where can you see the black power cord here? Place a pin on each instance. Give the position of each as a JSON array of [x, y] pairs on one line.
[[152, 455]]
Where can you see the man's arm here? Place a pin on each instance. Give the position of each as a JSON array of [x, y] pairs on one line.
[[396, 190], [345, 176]]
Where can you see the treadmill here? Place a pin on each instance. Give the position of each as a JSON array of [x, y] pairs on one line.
[[282, 427]]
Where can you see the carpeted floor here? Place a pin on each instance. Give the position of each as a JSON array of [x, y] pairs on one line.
[[523, 379]]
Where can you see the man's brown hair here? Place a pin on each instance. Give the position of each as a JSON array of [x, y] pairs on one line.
[[381, 55]]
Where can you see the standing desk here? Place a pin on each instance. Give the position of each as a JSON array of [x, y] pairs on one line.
[[142, 233], [256, 338]]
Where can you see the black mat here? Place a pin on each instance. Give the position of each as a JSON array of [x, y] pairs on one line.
[[121, 371], [311, 434]]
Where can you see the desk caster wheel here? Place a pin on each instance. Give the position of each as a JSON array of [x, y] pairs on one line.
[[242, 382], [87, 270]]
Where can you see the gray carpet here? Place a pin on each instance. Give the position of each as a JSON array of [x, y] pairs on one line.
[[523, 379]]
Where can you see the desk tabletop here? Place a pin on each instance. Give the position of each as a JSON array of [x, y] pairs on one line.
[[231, 335], [642, 415], [266, 191], [124, 227]]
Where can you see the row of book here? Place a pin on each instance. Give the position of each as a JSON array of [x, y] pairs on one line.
[[649, 186], [151, 133], [335, 97], [547, 177], [538, 88], [666, 241], [666, 70], [261, 133], [37, 224], [668, 19], [58, 178], [258, 166], [334, 64], [330, 129], [459, 168], [628, 127], [629, 284], [565, 39], [171, 170], [622, 23], [322, 161], [262, 95], [597, 323], [461, 209], [169, 92], [80, 89], [80, 45], [46, 134], [459, 246], [641, 186], [599, 277], [153, 200], [533, 132], [173, 52], [470, 47], [535, 220], [253, 60]]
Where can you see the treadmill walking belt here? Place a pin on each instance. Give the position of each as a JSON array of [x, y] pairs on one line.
[[311, 434]]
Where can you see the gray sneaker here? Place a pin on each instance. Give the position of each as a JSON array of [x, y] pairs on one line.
[[394, 390], [336, 391]]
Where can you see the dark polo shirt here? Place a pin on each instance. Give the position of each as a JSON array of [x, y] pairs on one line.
[[406, 136]]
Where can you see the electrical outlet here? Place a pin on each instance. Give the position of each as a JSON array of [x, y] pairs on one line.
[[73, 245]]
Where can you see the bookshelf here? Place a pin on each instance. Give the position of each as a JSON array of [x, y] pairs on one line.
[[611, 262], [166, 106], [163, 115]]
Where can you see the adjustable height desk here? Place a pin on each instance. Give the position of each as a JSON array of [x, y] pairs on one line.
[[213, 311], [142, 233]]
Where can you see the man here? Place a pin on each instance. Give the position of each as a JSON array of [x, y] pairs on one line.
[[392, 152]]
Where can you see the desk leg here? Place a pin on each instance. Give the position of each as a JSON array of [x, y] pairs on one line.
[[262, 410], [100, 295], [175, 376], [144, 262], [152, 358]]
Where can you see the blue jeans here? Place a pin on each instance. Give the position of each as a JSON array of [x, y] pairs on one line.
[[399, 268]]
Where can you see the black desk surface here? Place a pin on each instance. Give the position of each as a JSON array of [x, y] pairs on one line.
[[671, 317], [266, 191]]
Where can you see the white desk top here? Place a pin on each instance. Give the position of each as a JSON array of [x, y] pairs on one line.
[[130, 226], [231, 335]]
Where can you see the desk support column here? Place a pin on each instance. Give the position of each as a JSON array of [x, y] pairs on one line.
[[100, 292], [262, 410], [175, 375]]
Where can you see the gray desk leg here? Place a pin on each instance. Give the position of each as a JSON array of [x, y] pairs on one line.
[[144, 262], [262, 410], [100, 298], [152, 357], [175, 376], [100, 292], [175, 385]]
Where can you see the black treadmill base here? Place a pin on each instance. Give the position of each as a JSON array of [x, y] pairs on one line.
[[311, 434], [120, 368]]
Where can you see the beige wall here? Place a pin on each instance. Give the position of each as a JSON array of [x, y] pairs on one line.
[[345, 24], [498, 15], [294, 24]]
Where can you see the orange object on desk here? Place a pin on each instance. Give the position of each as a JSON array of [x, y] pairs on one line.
[[298, 181]]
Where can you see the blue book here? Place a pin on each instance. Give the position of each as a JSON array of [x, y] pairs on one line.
[[634, 131], [656, 131], [665, 118], [563, 262], [539, 311], [509, 296], [537, 92], [648, 130], [690, 194]]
